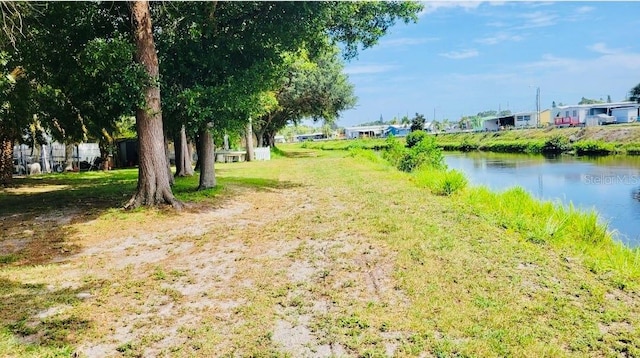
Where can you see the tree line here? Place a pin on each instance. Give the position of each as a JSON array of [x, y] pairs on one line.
[[188, 71]]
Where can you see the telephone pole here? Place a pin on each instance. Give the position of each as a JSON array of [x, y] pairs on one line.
[[537, 106]]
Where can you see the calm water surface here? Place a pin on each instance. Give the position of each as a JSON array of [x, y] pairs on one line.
[[611, 185]]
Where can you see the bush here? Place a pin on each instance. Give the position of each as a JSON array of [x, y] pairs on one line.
[[556, 144], [593, 147], [415, 137], [394, 151], [425, 153]]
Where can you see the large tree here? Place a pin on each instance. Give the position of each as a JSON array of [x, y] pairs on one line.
[[153, 179], [15, 112], [634, 93], [218, 58], [311, 88]]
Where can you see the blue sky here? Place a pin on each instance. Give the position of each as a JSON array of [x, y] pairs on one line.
[[465, 57]]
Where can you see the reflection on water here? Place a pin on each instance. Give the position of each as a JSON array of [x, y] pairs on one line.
[[611, 184]]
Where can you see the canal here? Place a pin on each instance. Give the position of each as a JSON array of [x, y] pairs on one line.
[[610, 185]]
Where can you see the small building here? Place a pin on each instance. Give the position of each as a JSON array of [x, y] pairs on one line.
[[397, 131], [596, 114], [312, 136], [365, 131], [545, 118], [491, 124]]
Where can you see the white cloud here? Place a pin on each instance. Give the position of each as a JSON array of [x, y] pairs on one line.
[[538, 19], [431, 7], [584, 9], [459, 55], [499, 38], [602, 48], [407, 41], [368, 69], [588, 66]]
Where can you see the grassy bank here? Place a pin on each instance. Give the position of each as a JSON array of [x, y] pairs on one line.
[[620, 139], [602, 140], [315, 253]]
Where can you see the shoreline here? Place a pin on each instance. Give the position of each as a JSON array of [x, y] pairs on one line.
[[602, 140]]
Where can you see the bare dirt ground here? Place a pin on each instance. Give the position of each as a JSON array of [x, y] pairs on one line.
[[209, 281]]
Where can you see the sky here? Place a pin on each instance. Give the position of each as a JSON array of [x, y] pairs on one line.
[[462, 58]]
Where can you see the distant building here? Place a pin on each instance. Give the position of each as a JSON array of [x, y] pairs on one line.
[[397, 131], [365, 131], [515, 120], [596, 114], [312, 136]]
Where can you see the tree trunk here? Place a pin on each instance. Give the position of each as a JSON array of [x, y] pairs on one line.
[[166, 154], [153, 180], [206, 157], [270, 136], [68, 157], [6, 159], [249, 141], [104, 154], [176, 152], [260, 137], [183, 155], [198, 153]]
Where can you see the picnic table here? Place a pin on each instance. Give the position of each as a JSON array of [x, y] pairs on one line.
[[230, 156]]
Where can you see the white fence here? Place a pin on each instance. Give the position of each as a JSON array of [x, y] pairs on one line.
[[262, 153], [51, 157]]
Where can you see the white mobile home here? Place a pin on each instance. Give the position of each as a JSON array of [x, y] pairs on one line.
[[596, 114], [365, 131]]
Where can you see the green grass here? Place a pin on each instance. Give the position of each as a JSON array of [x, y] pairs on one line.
[[475, 273]]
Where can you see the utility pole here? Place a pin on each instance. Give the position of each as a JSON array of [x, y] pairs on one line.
[[537, 106]]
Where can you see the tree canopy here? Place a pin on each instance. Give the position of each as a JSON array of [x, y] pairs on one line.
[[220, 63]]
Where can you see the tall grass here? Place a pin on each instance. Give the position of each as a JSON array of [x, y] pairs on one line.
[[545, 222], [538, 222], [440, 181]]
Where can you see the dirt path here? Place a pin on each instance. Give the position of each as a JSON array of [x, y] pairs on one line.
[[262, 273]]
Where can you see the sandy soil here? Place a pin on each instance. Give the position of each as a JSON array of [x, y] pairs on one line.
[[148, 287]]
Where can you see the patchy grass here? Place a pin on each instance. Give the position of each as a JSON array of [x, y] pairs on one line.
[[315, 253]]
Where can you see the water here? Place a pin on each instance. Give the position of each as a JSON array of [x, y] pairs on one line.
[[610, 185]]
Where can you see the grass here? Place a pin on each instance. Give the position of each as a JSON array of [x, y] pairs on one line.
[[334, 245]]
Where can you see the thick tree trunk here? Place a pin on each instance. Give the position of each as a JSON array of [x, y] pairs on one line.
[[270, 136], [68, 157], [104, 155], [166, 154], [260, 137], [198, 153], [183, 155], [153, 178], [176, 152], [206, 157], [6, 160], [249, 141]]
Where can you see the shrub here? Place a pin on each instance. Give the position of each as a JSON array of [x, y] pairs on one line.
[[467, 146], [593, 147], [556, 144], [425, 153], [394, 151], [415, 137]]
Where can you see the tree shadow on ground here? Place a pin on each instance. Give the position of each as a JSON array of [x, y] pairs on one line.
[[37, 213], [38, 316], [260, 184]]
